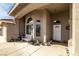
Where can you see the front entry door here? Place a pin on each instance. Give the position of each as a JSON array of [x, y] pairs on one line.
[[57, 32]]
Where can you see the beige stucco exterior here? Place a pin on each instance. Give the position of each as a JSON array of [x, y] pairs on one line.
[[64, 19], [75, 29], [3, 37], [46, 24], [6, 29], [46, 19], [12, 31], [4, 24]]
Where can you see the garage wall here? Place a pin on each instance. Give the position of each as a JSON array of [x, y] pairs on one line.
[[13, 30], [3, 38]]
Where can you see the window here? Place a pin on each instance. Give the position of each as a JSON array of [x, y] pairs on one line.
[[38, 29], [1, 31], [29, 26], [29, 29], [29, 20]]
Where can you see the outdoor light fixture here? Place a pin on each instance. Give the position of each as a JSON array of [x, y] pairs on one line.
[[56, 21]]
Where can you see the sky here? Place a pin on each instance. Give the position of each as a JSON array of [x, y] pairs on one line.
[[4, 9]]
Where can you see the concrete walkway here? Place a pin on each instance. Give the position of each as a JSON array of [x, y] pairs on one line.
[[25, 49]]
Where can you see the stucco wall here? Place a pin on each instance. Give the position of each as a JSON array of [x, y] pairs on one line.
[[22, 26], [47, 23], [75, 29], [39, 15], [63, 17], [3, 38], [46, 20], [13, 30], [49, 26]]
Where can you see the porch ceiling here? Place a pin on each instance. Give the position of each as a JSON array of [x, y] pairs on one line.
[[29, 8], [23, 9], [57, 7]]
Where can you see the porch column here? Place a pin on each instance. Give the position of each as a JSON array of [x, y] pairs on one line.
[[75, 29], [34, 31], [70, 35], [45, 29]]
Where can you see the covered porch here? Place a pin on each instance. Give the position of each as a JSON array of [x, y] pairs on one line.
[[39, 24], [49, 15]]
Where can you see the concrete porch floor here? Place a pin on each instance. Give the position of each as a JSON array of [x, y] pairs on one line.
[[25, 49]]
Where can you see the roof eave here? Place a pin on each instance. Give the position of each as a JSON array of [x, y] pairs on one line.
[[9, 22], [13, 8]]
